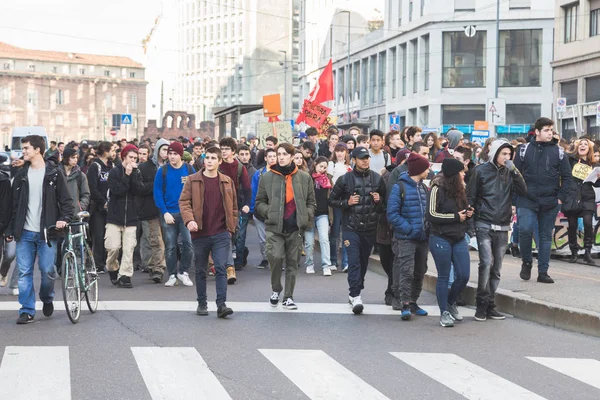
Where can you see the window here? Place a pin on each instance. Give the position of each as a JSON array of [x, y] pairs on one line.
[[108, 100], [571, 22], [399, 13], [404, 61], [426, 61], [133, 101], [464, 5], [464, 60], [415, 66], [59, 120], [520, 58], [55, 70], [6, 66], [463, 114], [106, 73], [32, 67], [422, 7], [592, 89], [381, 75], [522, 114], [5, 95], [32, 97], [81, 71], [410, 10], [372, 78], [423, 116], [595, 22], [519, 4], [132, 74], [394, 71], [364, 88], [60, 98], [568, 90], [355, 80]]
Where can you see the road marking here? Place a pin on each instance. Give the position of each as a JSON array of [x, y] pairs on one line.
[[583, 369], [252, 307], [320, 376], [35, 372], [464, 377], [177, 373]]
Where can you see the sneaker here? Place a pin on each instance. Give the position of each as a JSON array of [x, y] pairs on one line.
[[453, 310], [100, 270], [125, 282], [310, 270], [245, 257], [172, 281], [573, 258], [415, 309], [223, 311], [406, 314], [48, 309], [480, 313], [24, 318], [357, 304], [388, 299], [14, 292], [202, 310], [543, 277], [446, 320], [156, 277], [231, 277], [587, 258], [514, 250], [333, 267], [3, 280], [289, 304], [493, 314], [326, 271], [184, 277], [212, 271], [345, 269], [396, 304], [263, 264], [526, 270], [114, 277], [274, 300]]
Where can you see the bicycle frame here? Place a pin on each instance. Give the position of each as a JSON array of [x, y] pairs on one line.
[[69, 249]]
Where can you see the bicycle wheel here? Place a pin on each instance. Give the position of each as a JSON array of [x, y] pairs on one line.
[[90, 280], [71, 289]]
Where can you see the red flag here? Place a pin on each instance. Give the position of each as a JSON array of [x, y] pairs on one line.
[[323, 90]]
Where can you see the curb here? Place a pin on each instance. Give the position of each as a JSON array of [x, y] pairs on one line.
[[524, 307]]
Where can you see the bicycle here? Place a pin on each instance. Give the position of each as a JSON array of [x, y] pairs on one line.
[[78, 277]]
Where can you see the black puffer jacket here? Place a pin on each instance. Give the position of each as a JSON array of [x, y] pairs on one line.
[[491, 188], [364, 216], [144, 187], [581, 195], [122, 210]]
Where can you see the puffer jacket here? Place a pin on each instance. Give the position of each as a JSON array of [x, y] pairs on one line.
[[364, 216], [122, 210], [144, 186], [406, 211], [442, 212], [5, 201], [78, 188], [491, 188], [270, 200], [581, 195]]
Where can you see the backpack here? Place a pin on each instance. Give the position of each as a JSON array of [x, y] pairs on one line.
[[523, 150], [386, 158], [164, 176]]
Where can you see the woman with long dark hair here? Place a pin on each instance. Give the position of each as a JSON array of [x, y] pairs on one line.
[[448, 211], [432, 141]]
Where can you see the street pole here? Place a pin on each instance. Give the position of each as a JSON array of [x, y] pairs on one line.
[[495, 128], [285, 68], [348, 94]]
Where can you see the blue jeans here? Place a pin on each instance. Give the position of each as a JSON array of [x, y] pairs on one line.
[[28, 247], [322, 227], [219, 246], [359, 247], [527, 222], [445, 254], [334, 238], [171, 232], [240, 241]]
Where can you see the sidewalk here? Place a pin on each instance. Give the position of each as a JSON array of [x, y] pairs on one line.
[[572, 303]]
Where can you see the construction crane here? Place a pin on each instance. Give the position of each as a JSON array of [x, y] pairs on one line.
[[146, 40]]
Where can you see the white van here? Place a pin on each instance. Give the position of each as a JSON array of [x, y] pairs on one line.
[[19, 132]]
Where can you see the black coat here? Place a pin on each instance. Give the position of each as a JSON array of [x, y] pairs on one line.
[[364, 216], [144, 187], [97, 175], [442, 212], [56, 200], [5, 201], [581, 197], [122, 210]]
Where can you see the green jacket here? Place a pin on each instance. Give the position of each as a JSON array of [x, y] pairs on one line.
[[270, 200]]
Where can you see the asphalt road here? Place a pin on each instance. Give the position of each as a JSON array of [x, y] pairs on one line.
[[129, 350]]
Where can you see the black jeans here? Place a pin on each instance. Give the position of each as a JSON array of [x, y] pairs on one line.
[[588, 231], [386, 256], [97, 230], [492, 248]]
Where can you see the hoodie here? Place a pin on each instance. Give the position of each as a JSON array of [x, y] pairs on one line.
[[97, 175], [144, 187], [454, 138]]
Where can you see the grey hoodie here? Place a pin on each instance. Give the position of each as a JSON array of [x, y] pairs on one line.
[[159, 144]]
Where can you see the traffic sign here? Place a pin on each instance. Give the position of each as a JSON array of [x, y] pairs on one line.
[[470, 30], [113, 132], [126, 119], [394, 127], [480, 137], [561, 105], [394, 119], [496, 111], [598, 114]]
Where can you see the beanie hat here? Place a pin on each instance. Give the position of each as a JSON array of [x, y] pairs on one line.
[[176, 147], [417, 164], [127, 149], [187, 157], [402, 155], [451, 167], [454, 137]]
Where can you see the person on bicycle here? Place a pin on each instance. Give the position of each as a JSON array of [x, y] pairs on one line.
[[40, 199]]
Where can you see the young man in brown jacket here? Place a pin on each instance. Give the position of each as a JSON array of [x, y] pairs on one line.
[[209, 209]]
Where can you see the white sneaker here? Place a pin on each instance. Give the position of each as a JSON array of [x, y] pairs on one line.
[[326, 271], [172, 281], [274, 299], [185, 279], [357, 304], [14, 292], [345, 269], [3, 280], [333, 267], [310, 270], [289, 304]]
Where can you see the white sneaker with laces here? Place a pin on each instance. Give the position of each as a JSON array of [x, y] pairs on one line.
[[172, 281], [326, 271], [345, 269], [289, 304], [185, 279], [3, 280], [274, 299], [333, 267], [14, 292], [310, 270], [357, 304]]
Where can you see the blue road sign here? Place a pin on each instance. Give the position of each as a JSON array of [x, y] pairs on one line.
[[126, 119], [394, 119]]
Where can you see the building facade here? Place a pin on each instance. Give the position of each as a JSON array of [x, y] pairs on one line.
[[234, 52], [577, 65], [73, 96], [434, 64]]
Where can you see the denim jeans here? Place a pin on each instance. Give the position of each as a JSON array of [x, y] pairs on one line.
[[240, 240], [527, 221], [28, 247], [9, 252], [444, 254], [359, 247], [219, 247], [171, 233], [262, 237], [334, 239], [492, 248], [322, 227]]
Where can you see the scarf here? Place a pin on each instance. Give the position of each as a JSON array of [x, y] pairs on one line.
[[287, 172], [321, 181]]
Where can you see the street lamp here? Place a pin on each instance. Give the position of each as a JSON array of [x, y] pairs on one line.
[[285, 67], [347, 84]]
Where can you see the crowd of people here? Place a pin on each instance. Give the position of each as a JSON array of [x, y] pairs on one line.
[[164, 207]]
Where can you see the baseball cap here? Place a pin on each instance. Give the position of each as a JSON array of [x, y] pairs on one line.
[[360, 153]]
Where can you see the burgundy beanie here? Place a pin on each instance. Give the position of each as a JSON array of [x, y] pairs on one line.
[[417, 164], [402, 155], [127, 149], [176, 147]]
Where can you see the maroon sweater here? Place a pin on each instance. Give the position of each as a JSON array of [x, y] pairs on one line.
[[213, 214], [231, 170]]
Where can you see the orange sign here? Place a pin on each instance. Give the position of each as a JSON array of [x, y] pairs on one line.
[[272, 105], [481, 126]]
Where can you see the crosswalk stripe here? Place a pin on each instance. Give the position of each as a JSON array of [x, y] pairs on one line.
[[35, 372], [177, 373], [319, 376], [464, 377], [246, 306], [583, 369]]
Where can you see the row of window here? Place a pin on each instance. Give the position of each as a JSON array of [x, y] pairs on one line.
[[210, 60], [212, 32], [572, 18], [66, 69], [61, 97], [201, 8], [569, 90]]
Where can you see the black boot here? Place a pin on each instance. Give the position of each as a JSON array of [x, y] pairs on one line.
[[514, 250], [526, 270], [587, 258], [573, 258]]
